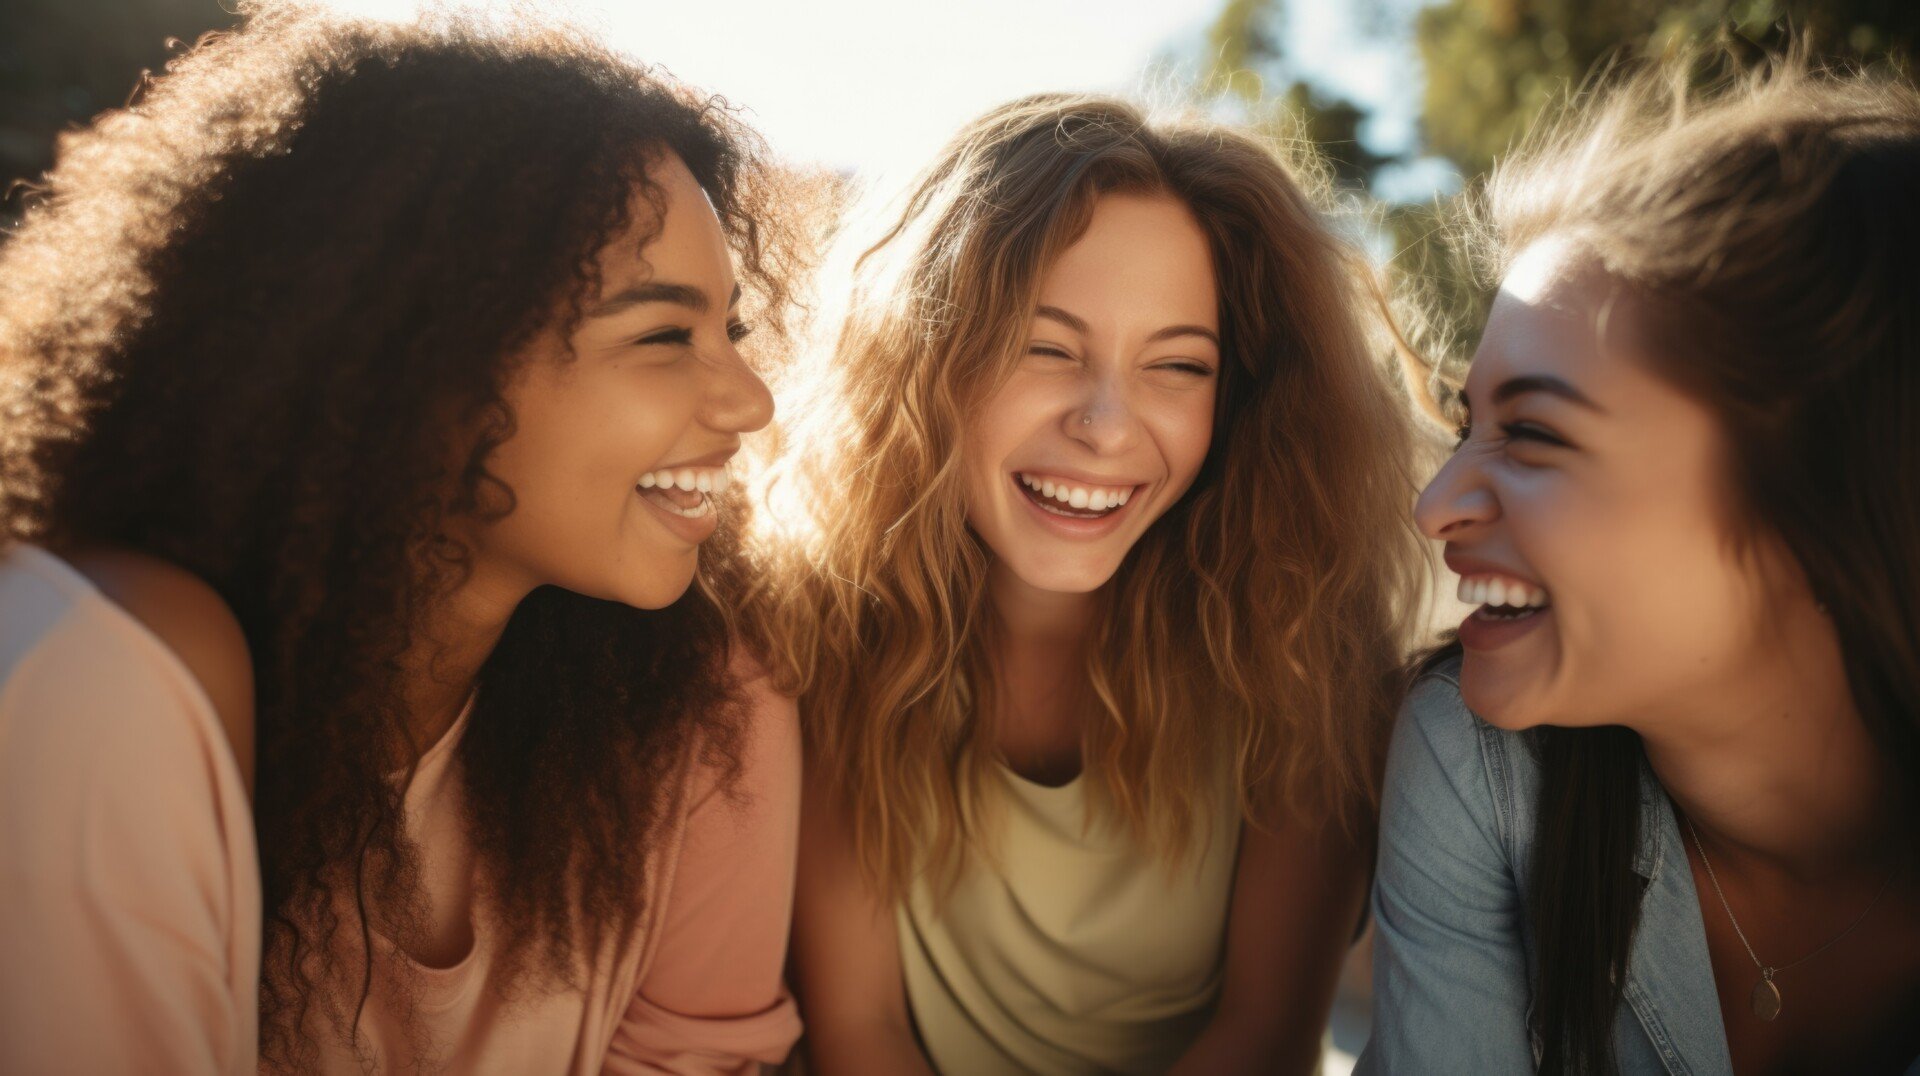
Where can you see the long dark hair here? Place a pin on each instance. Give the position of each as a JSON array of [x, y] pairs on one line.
[[1763, 223], [248, 327]]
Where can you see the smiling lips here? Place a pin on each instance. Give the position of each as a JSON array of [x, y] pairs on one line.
[[1072, 499], [1508, 609], [683, 490]]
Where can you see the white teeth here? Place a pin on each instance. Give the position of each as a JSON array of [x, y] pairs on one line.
[[691, 479], [1086, 498], [1500, 591]]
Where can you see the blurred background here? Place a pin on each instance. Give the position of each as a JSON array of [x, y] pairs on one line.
[[1410, 99]]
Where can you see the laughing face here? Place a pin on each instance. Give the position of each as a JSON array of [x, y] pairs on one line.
[[1105, 421], [623, 430], [1588, 514]]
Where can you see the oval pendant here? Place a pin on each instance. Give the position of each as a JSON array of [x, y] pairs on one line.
[[1766, 1000]]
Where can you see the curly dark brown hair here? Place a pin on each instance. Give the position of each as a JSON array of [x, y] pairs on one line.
[[245, 326]]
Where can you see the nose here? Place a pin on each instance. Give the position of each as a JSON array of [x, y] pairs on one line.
[[1456, 501], [737, 400], [1104, 421]]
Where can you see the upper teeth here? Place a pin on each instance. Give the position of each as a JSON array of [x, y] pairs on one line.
[[1501, 590], [702, 479], [1093, 498]]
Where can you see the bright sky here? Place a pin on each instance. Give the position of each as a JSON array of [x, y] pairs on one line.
[[876, 86], [864, 84]]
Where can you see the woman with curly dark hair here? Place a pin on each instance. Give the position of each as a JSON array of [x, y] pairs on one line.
[[368, 390]]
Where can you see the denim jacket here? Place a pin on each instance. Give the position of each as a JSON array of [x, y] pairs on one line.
[[1451, 964]]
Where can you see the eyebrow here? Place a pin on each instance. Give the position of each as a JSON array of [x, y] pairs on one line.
[[657, 292], [1079, 324], [1552, 386]]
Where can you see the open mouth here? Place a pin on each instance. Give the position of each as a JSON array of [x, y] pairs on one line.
[[1073, 500], [1503, 598], [683, 491]]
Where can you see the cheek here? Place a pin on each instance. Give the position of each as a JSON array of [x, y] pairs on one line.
[[1647, 596], [1183, 428], [1012, 417]]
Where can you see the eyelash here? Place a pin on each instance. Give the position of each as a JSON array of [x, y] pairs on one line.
[[1515, 431], [1183, 367], [736, 332], [1191, 368]]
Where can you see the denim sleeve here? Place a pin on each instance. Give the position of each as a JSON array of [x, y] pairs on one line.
[[1449, 967]]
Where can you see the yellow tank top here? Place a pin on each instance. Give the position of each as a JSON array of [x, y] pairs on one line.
[[1079, 952]]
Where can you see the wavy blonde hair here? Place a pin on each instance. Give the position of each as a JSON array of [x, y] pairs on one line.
[[1262, 617]]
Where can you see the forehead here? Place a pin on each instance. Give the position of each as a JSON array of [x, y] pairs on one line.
[[1556, 313], [1141, 255], [676, 218]]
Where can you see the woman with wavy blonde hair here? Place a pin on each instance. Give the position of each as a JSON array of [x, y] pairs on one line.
[[1092, 596]]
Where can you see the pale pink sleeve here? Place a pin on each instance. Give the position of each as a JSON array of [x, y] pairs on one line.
[[713, 999], [129, 917]]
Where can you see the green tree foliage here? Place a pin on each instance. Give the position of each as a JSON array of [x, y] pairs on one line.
[[1491, 67], [1246, 63]]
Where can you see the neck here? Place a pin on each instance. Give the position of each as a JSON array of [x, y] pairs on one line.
[[443, 661], [1776, 766]]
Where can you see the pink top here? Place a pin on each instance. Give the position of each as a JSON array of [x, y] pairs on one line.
[[130, 896]]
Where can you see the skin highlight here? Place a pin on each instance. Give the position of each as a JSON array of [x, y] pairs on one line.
[[1111, 343], [1619, 506], [637, 387], [403, 508], [1045, 311]]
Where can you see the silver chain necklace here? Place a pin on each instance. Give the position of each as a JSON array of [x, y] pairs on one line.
[[1766, 993]]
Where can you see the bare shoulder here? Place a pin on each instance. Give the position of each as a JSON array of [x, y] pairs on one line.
[[771, 732], [769, 708], [194, 622]]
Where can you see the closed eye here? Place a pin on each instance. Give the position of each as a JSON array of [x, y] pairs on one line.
[[1048, 351], [668, 336], [1198, 369], [1527, 431]]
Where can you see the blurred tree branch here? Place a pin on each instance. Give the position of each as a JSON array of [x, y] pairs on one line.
[[1491, 67]]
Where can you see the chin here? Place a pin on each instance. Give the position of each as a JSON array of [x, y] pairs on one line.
[[1495, 697], [659, 588], [1065, 578]]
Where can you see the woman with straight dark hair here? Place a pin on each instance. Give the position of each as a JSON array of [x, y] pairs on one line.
[[1657, 811], [368, 389]]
